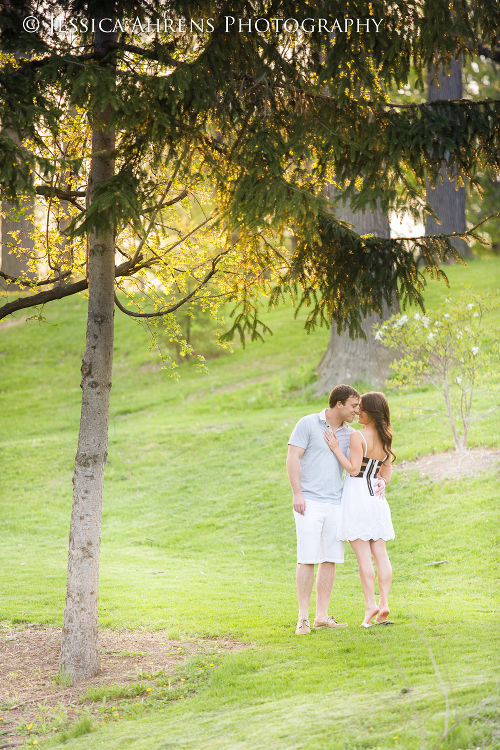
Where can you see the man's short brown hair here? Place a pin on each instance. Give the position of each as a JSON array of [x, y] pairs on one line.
[[341, 393]]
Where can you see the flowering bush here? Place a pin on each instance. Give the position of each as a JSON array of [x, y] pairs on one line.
[[451, 349]]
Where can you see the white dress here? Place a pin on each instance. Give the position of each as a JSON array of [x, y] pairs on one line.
[[363, 514]]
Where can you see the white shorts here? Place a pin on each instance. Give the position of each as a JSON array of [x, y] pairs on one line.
[[317, 534]]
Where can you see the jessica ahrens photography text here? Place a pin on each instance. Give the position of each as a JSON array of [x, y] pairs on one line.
[[138, 25]]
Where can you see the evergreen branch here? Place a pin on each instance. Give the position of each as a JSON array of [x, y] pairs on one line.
[[359, 102], [89, 56], [461, 235], [262, 81], [428, 105], [149, 54], [222, 148], [489, 53], [27, 65]]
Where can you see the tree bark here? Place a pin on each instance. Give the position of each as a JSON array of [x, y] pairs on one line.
[[80, 649], [16, 263], [349, 360], [15, 253], [447, 201], [13, 261]]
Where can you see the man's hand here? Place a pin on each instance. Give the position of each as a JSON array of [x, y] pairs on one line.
[[299, 504], [293, 467], [379, 486]]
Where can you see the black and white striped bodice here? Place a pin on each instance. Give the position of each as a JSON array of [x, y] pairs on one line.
[[370, 468]]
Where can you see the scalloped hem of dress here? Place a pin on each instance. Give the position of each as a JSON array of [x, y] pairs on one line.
[[368, 539]]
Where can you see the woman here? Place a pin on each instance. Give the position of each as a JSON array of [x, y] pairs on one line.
[[365, 518]]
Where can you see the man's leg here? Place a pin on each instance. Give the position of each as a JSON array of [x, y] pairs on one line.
[[305, 578], [308, 527], [331, 552], [325, 579]]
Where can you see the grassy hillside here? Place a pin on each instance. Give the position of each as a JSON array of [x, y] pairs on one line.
[[196, 488]]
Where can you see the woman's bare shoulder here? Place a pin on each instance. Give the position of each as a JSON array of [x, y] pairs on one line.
[[356, 436]]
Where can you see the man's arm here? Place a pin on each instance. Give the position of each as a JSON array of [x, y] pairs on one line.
[[385, 472], [293, 468]]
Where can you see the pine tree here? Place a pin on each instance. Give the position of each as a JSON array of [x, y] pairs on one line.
[[194, 147]]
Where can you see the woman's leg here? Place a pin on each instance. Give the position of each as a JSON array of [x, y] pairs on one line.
[[367, 574], [384, 576]]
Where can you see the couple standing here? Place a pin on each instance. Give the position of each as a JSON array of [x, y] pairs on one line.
[[328, 512]]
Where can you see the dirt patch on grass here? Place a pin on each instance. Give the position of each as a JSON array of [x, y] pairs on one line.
[[450, 465], [5, 324], [139, 669]]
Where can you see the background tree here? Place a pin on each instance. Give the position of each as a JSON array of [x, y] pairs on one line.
[[235, 123], [17, 228], [446, 197], [365, 358], [17, 243], [452, 350], [358, 359], [482, 80]]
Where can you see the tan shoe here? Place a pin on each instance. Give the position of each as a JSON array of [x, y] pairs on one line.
[[330, 622], [303, 626]]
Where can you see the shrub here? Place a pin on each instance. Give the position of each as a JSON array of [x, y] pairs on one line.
[[452, 350]]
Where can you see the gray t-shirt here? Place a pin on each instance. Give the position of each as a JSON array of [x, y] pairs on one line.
[[320, 470]]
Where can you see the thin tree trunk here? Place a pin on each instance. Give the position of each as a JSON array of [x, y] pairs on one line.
[[349, 360], [447, 201], [459, 446], [80, 650]]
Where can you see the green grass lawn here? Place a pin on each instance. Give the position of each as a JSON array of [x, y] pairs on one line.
[[196, 487]]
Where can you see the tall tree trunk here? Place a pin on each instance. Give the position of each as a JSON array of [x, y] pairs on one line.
[[13, 261], [348, 360], [17, 249], [447, 201], [80, 650]]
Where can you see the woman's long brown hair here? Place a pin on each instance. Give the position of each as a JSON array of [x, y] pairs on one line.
[[376, 405]]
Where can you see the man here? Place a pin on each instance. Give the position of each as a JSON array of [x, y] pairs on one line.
[[315, 476]]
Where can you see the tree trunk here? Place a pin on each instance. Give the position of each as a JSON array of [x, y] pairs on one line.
[[13, 261], [447, 202], [349, 360], [16, 252], [80, 650]]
